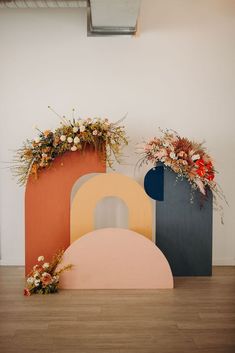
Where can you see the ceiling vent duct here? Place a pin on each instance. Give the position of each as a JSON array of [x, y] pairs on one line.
[[113, 17], [35, 4], [105, 17]]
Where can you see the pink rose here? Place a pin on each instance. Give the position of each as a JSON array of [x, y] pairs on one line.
[[148, 148], [46, 279], [161, 153]]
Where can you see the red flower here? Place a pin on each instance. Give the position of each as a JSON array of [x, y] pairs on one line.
[[201, 171], [209, 166], [210, 177], [200, 162], [27, 292]]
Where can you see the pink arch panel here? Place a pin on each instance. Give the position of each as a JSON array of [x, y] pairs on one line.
[[47, 203], [114, 258]]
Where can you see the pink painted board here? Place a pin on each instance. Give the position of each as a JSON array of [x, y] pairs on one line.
[[114, 258]]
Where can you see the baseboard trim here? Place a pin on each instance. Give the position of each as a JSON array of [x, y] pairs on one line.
[[224, 262], [216, 262], [12, 262]]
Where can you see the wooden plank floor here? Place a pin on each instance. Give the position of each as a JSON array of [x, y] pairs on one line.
[[198, 316]]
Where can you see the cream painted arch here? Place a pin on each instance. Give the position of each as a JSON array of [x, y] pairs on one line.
[[105, 185]]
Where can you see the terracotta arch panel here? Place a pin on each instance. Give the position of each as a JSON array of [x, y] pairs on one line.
[[47, 203], [105, 185]]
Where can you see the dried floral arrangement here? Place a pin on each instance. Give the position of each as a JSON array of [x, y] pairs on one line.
[[44, 277], [188, 159], [72, 135]]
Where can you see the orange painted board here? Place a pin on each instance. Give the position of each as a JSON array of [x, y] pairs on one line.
[[47, 203]]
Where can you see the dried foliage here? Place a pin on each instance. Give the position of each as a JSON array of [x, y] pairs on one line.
[[73, 135], [188, 159], [44, 277]]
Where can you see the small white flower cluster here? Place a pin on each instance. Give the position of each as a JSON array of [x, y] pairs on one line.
[[71, 140], [55, 279], [30, 280], [34, 280], [195, 157], [37, 282]]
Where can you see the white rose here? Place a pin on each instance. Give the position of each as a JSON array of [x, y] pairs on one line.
[[30, 280], [75, 129], [41, 258], [69, 139], [56, 278], [195, 157], [46, 265], [172, 155], [45, 274], [73, 148], [62, 138], [37, 282], [95, 132], [82, 128], [76, 140]]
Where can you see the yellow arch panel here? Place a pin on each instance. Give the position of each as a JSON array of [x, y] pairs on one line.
[[105, 185]]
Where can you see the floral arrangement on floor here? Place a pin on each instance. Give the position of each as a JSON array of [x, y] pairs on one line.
[[188, 159], [72, 135], [44, 277]]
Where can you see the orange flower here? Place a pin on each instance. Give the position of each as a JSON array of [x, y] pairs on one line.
[[192, 173], [56, 140], [38, 268], [46, 132], [34, 170], [46, 149], [28, 153]]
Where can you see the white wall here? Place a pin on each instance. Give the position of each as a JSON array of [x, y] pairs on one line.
[[180, 74]]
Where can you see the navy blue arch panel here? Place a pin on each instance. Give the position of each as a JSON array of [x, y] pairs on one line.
[[154, 183], [184, 229]]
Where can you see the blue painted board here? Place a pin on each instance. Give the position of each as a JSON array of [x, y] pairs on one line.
[[154, 183], [184, 229]]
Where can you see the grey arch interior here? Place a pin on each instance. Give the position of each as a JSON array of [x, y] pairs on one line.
[[111, 212]]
